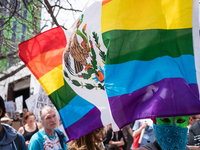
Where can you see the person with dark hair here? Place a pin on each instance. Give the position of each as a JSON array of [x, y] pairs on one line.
[[111, 147], [8, 113], [90, 141], [115, 138], [23, 122], [30, 127], [194, 134], [10, 139]]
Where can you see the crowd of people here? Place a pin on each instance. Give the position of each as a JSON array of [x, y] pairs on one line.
[[178, 133]]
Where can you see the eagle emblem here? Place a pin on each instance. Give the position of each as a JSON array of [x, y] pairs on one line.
[[80, 58]]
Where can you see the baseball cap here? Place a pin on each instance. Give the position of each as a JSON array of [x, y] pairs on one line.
[[17, 113]]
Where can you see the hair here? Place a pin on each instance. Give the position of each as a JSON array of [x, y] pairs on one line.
[[8, 112], [193, 116], [111, 147], [28, 114], [25, 109], [48, 108], [87, 142], [2, 106]]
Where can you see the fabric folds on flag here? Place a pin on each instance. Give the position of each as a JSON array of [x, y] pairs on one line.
[[150, 69], [78, 94], [121, 61]]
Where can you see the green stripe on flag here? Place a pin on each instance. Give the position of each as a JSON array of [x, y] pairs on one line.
[[128, 45], [62, 96]]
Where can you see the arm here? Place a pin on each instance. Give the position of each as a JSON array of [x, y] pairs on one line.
[[118, 143], [108, 136], [194, 147], [138, 131], [141, 148], [21, 130]]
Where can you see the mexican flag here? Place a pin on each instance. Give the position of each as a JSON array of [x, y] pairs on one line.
[[120, 61]]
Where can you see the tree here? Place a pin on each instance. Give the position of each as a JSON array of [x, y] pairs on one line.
[[21, 20]]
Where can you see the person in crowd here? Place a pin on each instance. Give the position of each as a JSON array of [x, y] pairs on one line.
[[111, 147], [194, 134], [116, 138], [10, 139], [147, 126], [48, 137], [6, 120], [8, 114], [16, 116], [23, 122], [25, 110], [128, 134], [193, 119], [171, 134], [30, 127], [90, 141]]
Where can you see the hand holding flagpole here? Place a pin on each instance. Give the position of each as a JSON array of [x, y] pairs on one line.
[[142, 132]]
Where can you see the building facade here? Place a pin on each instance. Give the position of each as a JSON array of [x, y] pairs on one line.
[[19, 21]]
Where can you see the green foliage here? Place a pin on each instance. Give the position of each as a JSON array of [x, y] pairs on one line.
[[75, 82], [89, 86], [94, 62], [95, 37], [32, 22], [90, 71], [101, 86], [65, 74]]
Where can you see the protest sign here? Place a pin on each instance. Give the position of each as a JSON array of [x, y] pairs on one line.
[[19, 104], [10, 107]]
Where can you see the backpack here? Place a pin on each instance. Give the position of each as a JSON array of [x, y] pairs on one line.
[[61, 136]]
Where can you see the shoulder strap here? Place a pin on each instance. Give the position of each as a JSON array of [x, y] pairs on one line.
[[18, 142], [61, 136]]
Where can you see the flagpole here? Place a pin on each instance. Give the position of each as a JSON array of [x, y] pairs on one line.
[[141, 135]]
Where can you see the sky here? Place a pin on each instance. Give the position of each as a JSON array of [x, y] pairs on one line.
[[66, 18]]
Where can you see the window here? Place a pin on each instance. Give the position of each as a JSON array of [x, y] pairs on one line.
[[11, 62], [25, 14], [14, 26], [2, 20], [13, 38], [26, 3], [12, 6], [3, 7], [23, 28], [23, 38]]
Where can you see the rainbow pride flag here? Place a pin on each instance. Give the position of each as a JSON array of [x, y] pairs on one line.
[[120, 61]]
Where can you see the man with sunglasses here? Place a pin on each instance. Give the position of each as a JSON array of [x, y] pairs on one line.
[[193, 119], [171, 134]]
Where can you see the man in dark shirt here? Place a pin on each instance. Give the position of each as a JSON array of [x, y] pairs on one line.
[[194, 134]]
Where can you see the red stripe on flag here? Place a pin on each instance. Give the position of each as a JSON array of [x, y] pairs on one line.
[[105, 2], [44, 42], [45, 62]]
